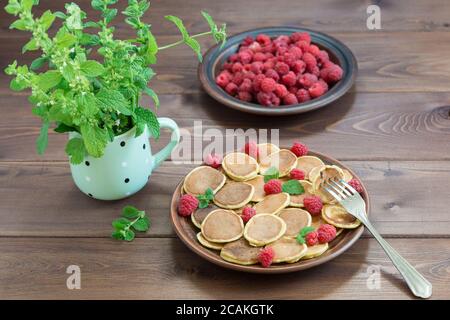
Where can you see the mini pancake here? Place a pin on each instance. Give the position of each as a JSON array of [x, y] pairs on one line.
[[202, 178], [267, 148], [234, 195], [287, 250], [339, 217], [325, 174], [200, 214], [317, 221], [307, 163], [272, 203], [258, 184], [208, 244], [295, 219], [314, 172], [240, 166], [263, 229], [297, 199], [315, 251], [284, 160], [347, 175], [240, 252], [222, 226]]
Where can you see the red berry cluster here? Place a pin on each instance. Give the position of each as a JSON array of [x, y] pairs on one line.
[[282, 71]]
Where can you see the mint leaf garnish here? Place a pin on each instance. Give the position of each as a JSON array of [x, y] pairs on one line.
[[271, 173], [293, 187], [302, 234], [204, 199]]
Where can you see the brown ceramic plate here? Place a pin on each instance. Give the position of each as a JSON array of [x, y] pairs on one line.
[[187, 232]]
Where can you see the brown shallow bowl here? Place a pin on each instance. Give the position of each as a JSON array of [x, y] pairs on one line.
[[187, 232]]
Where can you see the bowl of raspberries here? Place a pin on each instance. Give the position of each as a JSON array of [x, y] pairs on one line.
[[278, 71]]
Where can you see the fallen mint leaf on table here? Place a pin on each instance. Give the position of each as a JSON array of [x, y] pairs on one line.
[[132, 218], [293, 187], [271, 173]]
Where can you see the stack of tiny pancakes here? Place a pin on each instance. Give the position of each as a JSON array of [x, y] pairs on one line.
[[279, 217]]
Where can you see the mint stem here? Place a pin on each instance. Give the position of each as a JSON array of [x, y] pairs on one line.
[[182, 41]]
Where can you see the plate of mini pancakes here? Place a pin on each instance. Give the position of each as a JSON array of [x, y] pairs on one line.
[[218, 233]]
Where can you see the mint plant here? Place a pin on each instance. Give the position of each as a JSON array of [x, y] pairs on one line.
[[98, 99]]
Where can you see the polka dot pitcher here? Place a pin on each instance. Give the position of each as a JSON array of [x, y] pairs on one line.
[[126, 165]]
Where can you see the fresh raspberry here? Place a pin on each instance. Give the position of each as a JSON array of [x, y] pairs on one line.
[[282, 68], [272, 74], [314, 50], [259, 56], [247, 41], [293, 90], [323, 56], [255, 47], [326, 233], [280, 51], [268, 85], [315, 70], [269, 55], [227, 66], [257, 82], [257, 67], [282, 38], [263, 39], [302, 45], [317, 89], [245, 56], [307, 80], [297, 174], [264, 98], [323, 84], [231, 88], [265, 257], [245, 96], [187, 205], [299, 149], [251, 148], [332, 74], [310, 60], [238, 77], [296, 51], [313, 205], [236, 67], [269, 64], [303, 95], [356, 184], [312, 238], [272, 186], [213, 160], [233, 58], [289, 79], [274, 99], [247, 67], [289, 59], [246, 85], [280, 90], [249, 75], [301, 36], [222, 80], [290, 99], [247, 214], [299, 66]]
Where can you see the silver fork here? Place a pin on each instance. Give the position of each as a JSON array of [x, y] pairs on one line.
[[350, 199]]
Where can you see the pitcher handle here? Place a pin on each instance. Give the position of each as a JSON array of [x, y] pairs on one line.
[[164, 153]]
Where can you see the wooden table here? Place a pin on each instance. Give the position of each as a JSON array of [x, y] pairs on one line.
[[393, 128]]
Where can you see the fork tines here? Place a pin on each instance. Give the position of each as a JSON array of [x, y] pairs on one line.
[[339, 189]]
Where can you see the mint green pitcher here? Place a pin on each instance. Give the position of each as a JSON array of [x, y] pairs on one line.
[[126, 165]]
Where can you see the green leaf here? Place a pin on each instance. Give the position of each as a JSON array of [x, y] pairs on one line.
[[131, 212], [205, 198], [91, 24], [38, 63], [65, 40], [118, 235], [95, 139], [109, 15], [11, 68], [68, 72], [89, 39], [113, 99], [49, 80], [153, 95], [46, 20], [129, 235], [143, 224], [302, 234], [60, 15], [121, 223], [74, 16], [75, 150], [219, 35], [42, 140], [152, 48], [27, 4], [30, 46], [17, 85], [293, 187], [271, 173], [191, 42], [63, 128], [19, 25], [97, 4], [13, 7], [92, 68], [149, 118], [203, 203]]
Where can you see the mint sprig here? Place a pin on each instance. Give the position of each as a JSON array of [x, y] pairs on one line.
[[293, 187], [132, 220], [271, 173], [302, 234], [205, 199]]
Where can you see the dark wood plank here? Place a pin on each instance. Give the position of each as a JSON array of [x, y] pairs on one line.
[[116, 270], [41, 200], [359, 126]]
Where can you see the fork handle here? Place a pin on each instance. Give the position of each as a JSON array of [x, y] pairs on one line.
[[419, 286]]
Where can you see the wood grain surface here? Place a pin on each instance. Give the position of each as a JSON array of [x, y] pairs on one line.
[[393, 129]]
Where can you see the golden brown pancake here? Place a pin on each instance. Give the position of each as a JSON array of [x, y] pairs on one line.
[[325, 174], [234, 195], [307, 163], [315, 251], [222, 226], [272, 203], [287, 250], [240, 252], [240, 166], [297, 200], [284, 160], [209, 244], [347, 175], [258, 184], [317, 221], [263, 229], [295, 219], [314, 172], [200, 214], [339, 217], [202, 178]]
